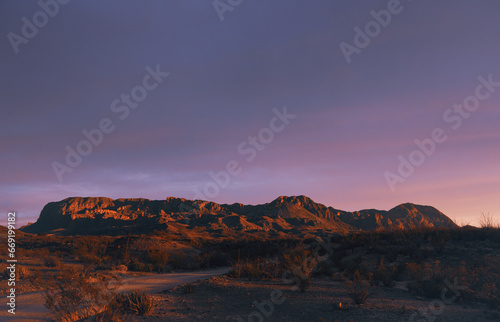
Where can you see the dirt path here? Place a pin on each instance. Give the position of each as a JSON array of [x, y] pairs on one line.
[[30, 305], [155, 283]]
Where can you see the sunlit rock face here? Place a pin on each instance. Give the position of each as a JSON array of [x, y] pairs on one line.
[[291, 215]]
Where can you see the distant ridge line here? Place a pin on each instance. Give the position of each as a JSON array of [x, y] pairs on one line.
[[284, 216]]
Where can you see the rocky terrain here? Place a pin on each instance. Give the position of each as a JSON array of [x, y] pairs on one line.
[[284, 216]]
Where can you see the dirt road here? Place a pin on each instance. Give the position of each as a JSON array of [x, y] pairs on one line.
[[156, 283], [30, 305]]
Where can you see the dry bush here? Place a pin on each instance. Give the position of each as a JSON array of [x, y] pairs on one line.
[[384, 274], [158, 258], [428, 279], [430, 287], [51, 261], [188, 288], [415, 271], [392, 254], [296, 258], [91, 250], [251, 269], [304, 282], [434, 278], [139, 303], [185, 260], [74, 293], [481, 278], [219, 259], [300, 264], [358, 289], [21, 272], [48, 259], [325, 268], [295, 264], [137, 266], [439, 240], [488, 221], [351, 264], [478, 278], [107, 316]]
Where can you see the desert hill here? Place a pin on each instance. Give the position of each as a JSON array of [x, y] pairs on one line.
[[404, 216], [293, 215]]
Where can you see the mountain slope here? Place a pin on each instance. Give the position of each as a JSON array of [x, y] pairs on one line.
[[404, 216], [296, 215]]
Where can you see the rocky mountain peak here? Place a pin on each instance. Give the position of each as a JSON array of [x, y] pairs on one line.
[[284, 215]]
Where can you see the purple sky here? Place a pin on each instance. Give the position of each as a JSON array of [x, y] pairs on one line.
[[353, 120]]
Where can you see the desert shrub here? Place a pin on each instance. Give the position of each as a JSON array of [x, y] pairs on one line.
[[214, 259], [415, 271], [139, 303], [480, 279], [430, 287], [299, 264], [51, 261], [400, 271], [358, 289], [384, 274], [137, 266], [411, 250], [392, 254], [248, 268], [188, 288], [338, 256], [439, 240], [351, 264], [164, 235], [491, 294], [158, 258], [120, 268], [364, 268], [325, 268], [219, 259], [74, 293], [296, 258], [488, 221], [108, 315], [86, 257], [256, 268], [304, 282], [182, 260], [22, 272], [91, 250], [300, 280], [432, 278]]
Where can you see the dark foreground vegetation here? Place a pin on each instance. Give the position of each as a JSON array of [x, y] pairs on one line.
[[79, 275]]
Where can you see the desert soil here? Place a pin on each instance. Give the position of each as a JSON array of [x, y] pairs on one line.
[[30, 305], [216, 297], [226, 299]]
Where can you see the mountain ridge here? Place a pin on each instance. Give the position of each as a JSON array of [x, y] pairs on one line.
[[285, 215]]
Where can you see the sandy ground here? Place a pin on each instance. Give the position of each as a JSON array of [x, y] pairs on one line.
[[216, 297], [227, 299], [30, 305]]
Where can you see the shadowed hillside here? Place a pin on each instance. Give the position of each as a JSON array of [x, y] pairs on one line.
[[296, 215]]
